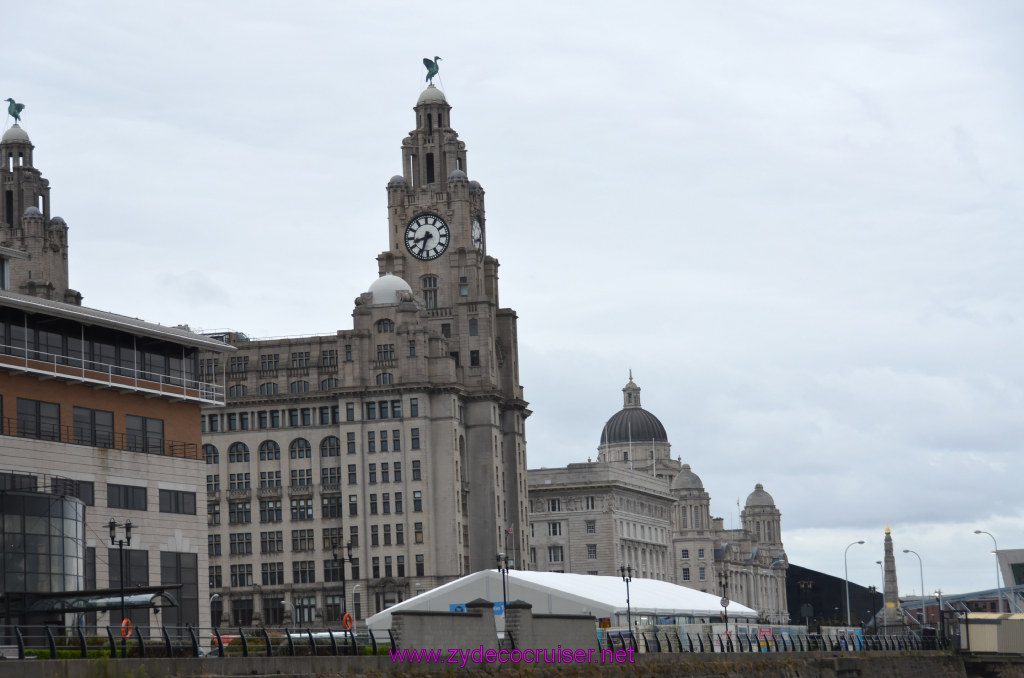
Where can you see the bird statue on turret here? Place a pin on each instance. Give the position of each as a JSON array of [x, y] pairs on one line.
[[14, 109], [432, 68]]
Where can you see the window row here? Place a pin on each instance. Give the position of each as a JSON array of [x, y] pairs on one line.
[[300, 448], [41, 420]]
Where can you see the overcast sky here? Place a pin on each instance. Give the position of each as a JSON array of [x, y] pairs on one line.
[[798, 223]]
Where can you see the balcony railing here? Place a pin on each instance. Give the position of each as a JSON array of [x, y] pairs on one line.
[[44, 483], [21, 359], [74, 435]]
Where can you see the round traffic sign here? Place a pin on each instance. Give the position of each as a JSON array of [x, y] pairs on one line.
[[725, 602]]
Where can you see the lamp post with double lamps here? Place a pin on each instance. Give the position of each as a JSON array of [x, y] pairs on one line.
[[723, 583], [920, 565], [503, 569], [999, 586], [846, 572], [627, 576], [337, 560], [121, 543]]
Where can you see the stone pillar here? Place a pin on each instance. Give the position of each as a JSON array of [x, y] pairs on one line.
[[519, 623]]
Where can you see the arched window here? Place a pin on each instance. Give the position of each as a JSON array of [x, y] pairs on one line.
[[238, 391], [473, 327], [268, 389], [211, 454], [299, 449], [238, 452], [330, 446], [269, 450], [328, 384], [299, 387], [385, 378], [386, 325], [430, 291]]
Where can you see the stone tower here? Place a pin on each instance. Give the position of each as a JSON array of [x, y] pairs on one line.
[[33, 247], [892, 615], [437, 243]]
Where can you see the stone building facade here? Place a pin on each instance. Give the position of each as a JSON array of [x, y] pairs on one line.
[[402, 436], [637, 507]]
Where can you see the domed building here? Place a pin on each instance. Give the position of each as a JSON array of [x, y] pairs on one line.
[[637, 507]]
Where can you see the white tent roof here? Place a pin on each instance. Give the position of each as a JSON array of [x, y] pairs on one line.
[[559, 593]]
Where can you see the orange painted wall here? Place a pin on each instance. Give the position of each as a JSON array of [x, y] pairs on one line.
[[181, 419]]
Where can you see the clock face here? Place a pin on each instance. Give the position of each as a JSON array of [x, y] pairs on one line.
[[478, 235], [426, 237]]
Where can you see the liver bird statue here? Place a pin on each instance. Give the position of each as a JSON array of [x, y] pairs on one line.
[[15, 109], [432, 68]]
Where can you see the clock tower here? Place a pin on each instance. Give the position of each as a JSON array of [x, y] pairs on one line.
[[437, 243]]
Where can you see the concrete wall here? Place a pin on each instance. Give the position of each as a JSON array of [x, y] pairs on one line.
[[782, 665], [427, 630], [548, 631]]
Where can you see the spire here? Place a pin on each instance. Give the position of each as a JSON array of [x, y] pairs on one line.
[[892, 615]]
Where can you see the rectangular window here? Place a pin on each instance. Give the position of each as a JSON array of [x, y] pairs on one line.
[[374, 535], [398, 471], [302, 477], [554, 554], [700, 553], [554, 529], [213, 544], [302, 509], [414, 436], [127, 497], [176, 501], [419, 565], [93, 427], [241, 575], [353, 538], [353, 505], [216, 577], [702, 571], [417, 501], [474, 358], [351, 474], [372, 474], [685, 554], [554, 505], [412, 348], [350, 439], [240, 543], [590, 503], [143, 434], [384, 473], [272, 542], [371, 442], [376, 567], [213, 514], [592, 551], [269, 361], [302, 540], [373, 504], [273, 574], [591, 527], [37, 419], [348, 352], [414, 407], [384, 442], [386, 503], [330, 475], [300, 359], [350, 411], [686, 574], [398, 502], [399, 535], [270, 511], [270, 479], [304, 572], [239, 512], [417, 532], [416, 469], [371, 410], [331, 507]]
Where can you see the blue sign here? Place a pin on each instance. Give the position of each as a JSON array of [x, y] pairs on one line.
[[454, 607], [499, 608]]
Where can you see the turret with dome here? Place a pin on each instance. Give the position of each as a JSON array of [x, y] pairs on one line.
[[636, 439], [34, 256]]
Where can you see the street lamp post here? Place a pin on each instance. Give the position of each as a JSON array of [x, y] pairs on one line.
[[999, 587], [348, 552], [920, 565], [627, 576], [503, 569], [846, 572], [723, 583], [120, 543]]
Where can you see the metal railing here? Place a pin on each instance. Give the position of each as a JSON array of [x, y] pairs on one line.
[[80, 642], [109, 374], [666, 641], [75, 435]]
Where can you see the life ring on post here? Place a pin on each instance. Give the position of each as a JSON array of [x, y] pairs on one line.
[[126, 628], [346, 622]]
